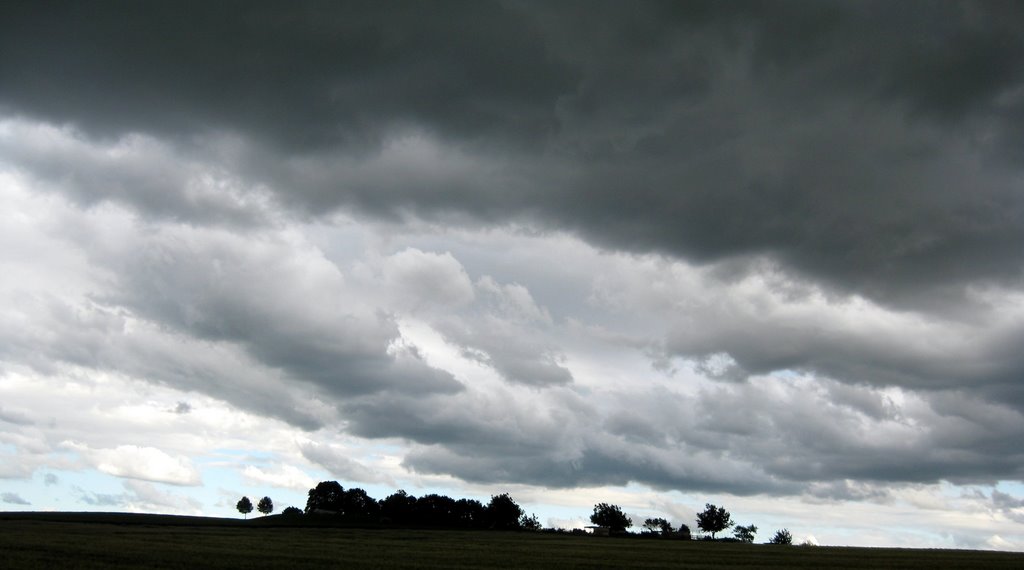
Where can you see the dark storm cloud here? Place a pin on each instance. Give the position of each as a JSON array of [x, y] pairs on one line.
[[744, 439], [1008, 505], [865, 144], [136, 171], [301, 76], [336, 463], [601, 465], [290, 311], [908, 354], [869, 148], [99, 337], [285, 307]]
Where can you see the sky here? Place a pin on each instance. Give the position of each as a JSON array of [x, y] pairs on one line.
[[766, 255]]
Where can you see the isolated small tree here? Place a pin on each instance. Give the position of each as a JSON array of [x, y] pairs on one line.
[[265, 506], [610, 516], [714, 519], [745, 533], [782, 537], [291, 511], [529, 522], [244, 506]]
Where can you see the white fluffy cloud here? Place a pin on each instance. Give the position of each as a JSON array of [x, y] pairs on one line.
[[135, 462], [283, 476]]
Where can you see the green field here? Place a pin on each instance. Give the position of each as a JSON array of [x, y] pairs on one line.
[[91, 540]]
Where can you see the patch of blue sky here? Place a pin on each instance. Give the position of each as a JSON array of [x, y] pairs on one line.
[[1014, 488], [224, 486], [560, 516], [66, 490]]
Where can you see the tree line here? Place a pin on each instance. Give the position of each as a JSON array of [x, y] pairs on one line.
[[329, 498], [502, 512], [712, 520]]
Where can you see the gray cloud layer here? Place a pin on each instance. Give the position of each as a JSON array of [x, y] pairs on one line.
[[831, 190], [822, 134]]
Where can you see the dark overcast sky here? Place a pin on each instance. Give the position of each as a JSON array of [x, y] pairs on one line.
[[760, 248], [871, 145]]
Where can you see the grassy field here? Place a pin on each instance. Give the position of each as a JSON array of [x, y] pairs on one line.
[[90, 540]]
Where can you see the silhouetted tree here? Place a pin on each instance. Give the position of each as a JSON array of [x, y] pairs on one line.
[[436, 510], [470, 513], [782, 537], [610, 516], [244, 506], [265, 506], [357, 503], [529, 522], [714, 519], [400, 507], [503, 512], [684, 532], [658, 525], [745, 533], [291, 511], [327, 495]]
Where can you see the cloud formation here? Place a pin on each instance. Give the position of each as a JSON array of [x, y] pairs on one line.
[[842, 151], [748, 248], [144, 463]]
